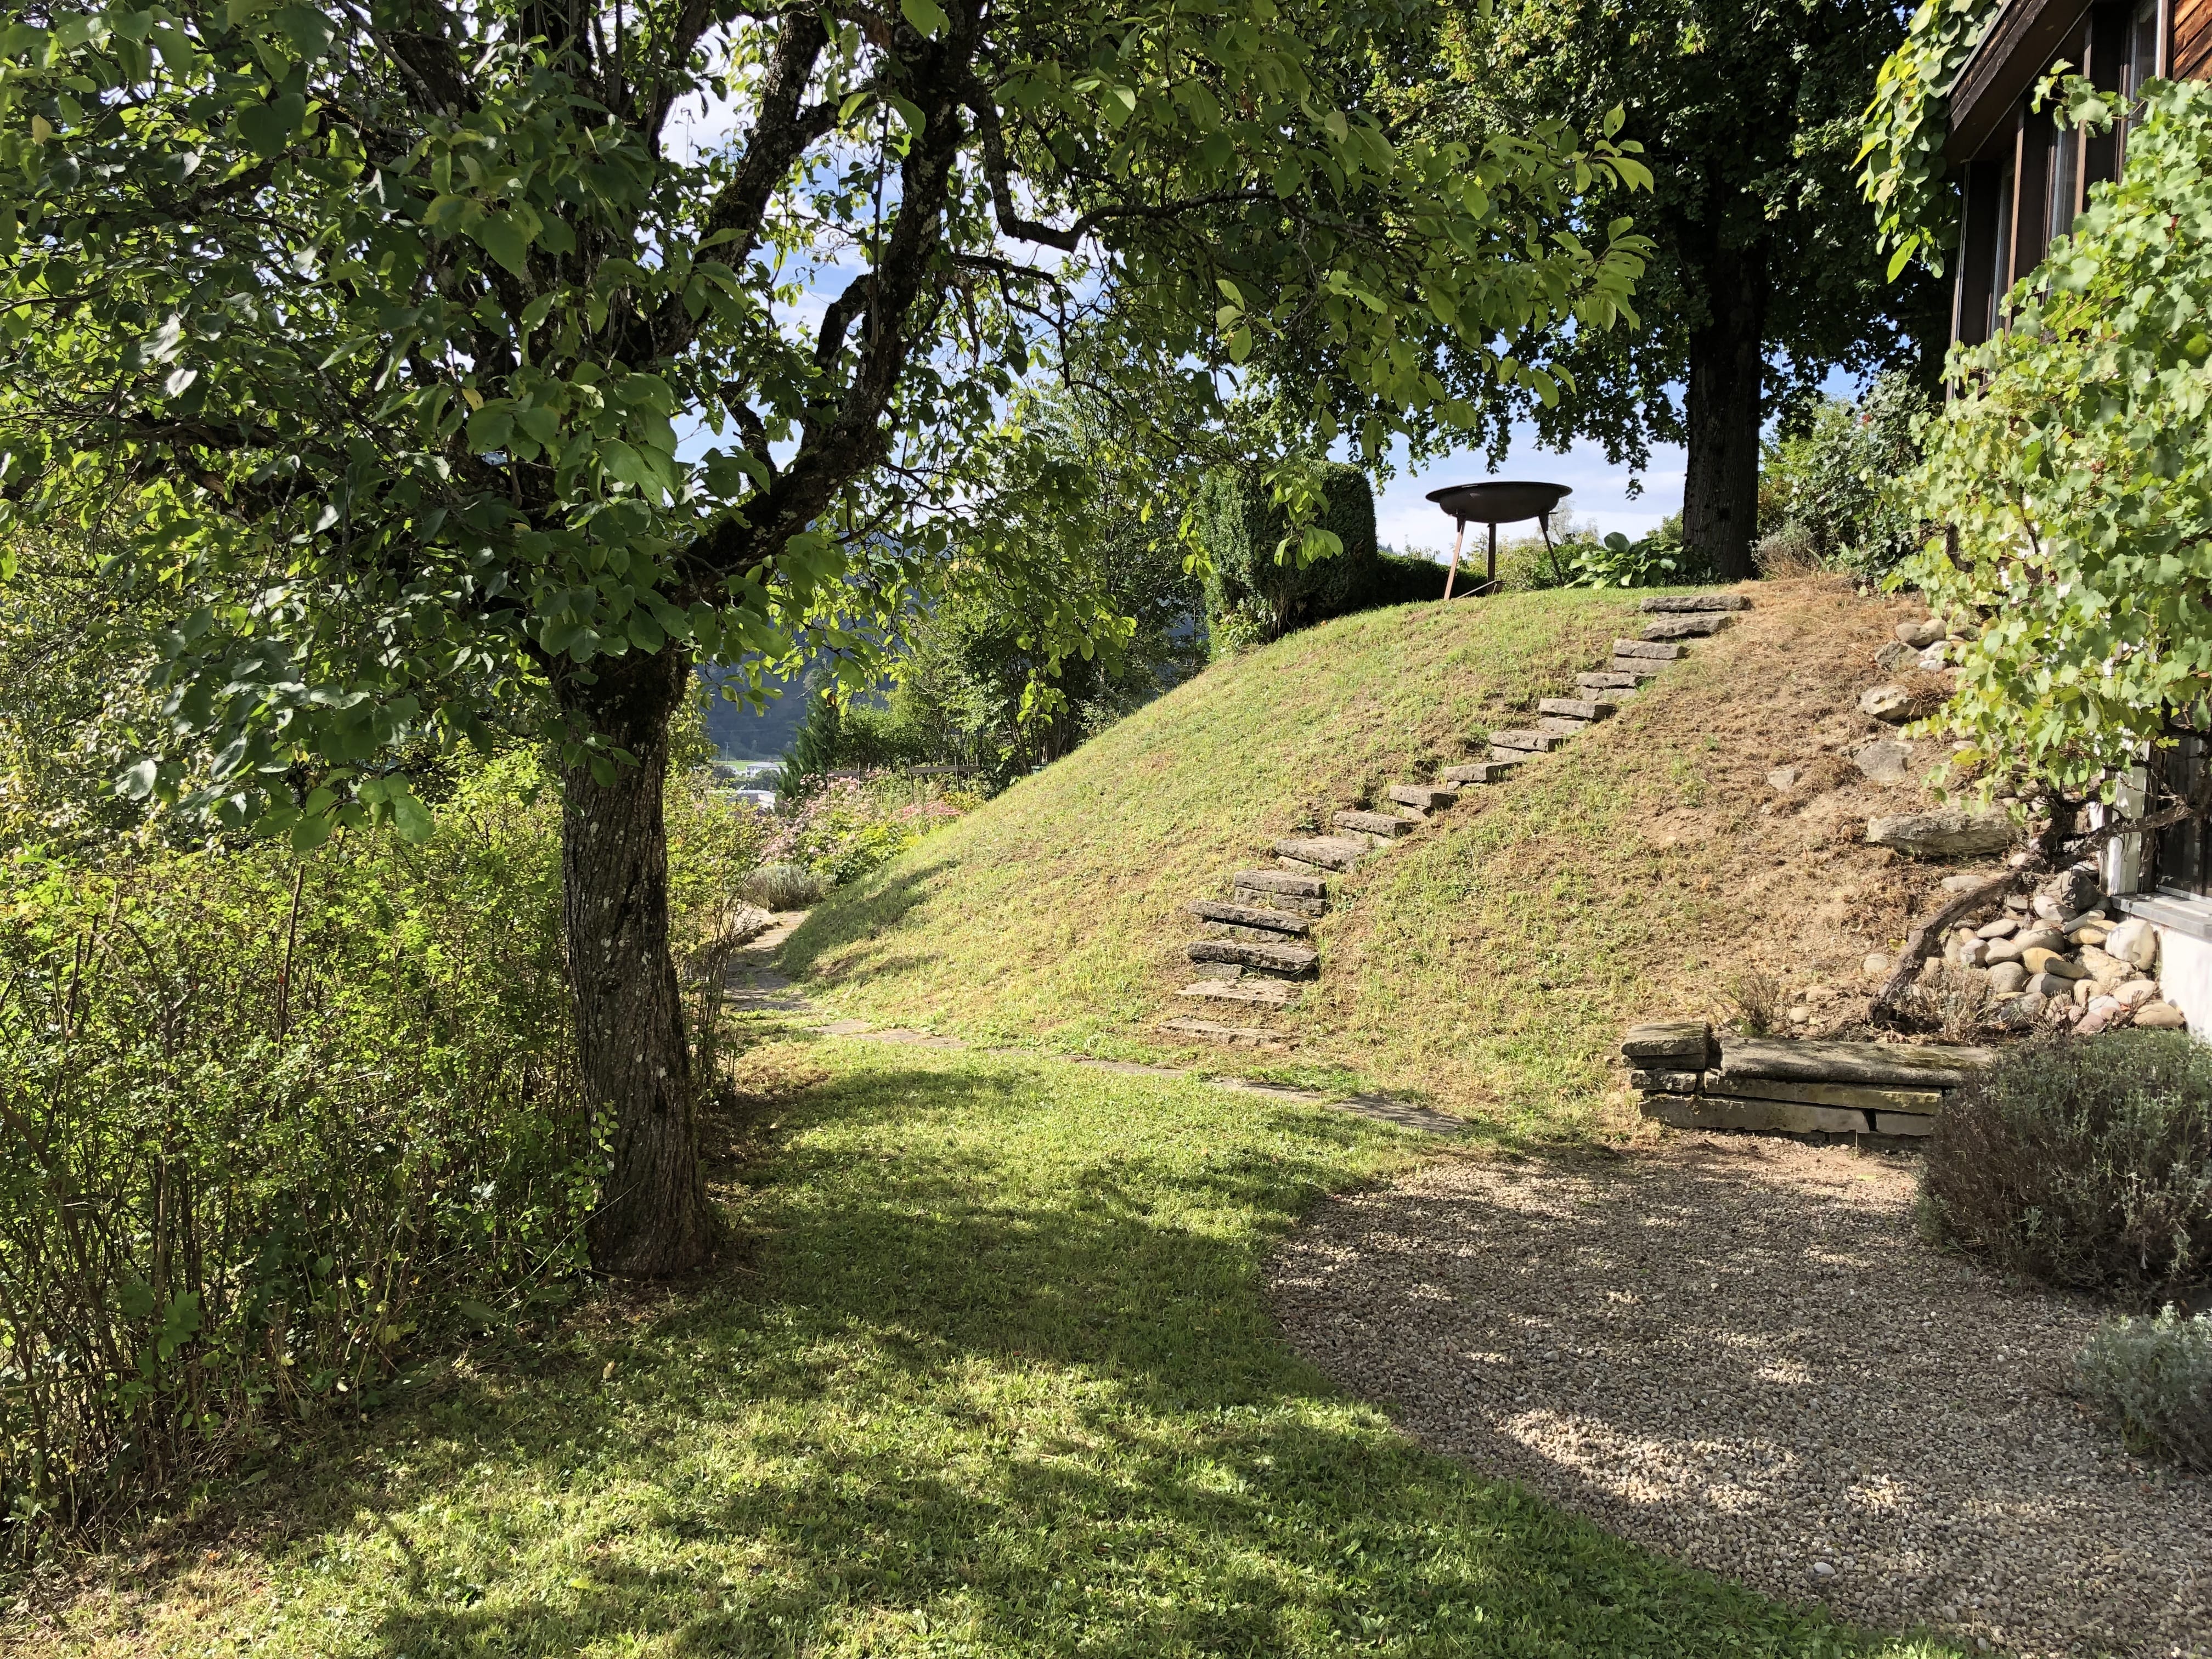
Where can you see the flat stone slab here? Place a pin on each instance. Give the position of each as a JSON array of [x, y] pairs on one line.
[[1942, 835], [1651, 650], [1667, 1082], [1250, 915], [1664, 603], [1669, 1039], [1856, 1096], [1764, 1116], [1298, 960], [1283, 881], [1494, 771], [1566, 726], [1267, 899], [1642, 668], [1372, 823], [1886, 1066], [1265, 993], [1528, 738], [1607, 679], [1329, 852], [1423, 796], [1903, 1123], [1232, 1037], [1685, 627], [1584, 709]]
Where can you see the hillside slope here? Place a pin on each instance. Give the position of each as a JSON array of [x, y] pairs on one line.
[[1488, 963]]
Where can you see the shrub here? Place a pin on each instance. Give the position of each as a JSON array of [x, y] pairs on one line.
[[2153, 1379], [784, 887], [2086, 1164], [266, 1121], [852, 825], [1658, 560], [1833, 475], [1251, 593]]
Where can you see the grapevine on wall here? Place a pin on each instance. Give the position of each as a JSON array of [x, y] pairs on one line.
[[1916, 204]]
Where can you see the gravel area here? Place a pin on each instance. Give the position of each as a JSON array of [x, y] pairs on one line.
[[1736, 1352]]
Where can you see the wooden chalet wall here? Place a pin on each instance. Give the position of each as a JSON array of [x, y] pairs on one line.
[[2192, 40]]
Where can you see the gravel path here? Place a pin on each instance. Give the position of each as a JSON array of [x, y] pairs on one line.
[[1736, 1353]]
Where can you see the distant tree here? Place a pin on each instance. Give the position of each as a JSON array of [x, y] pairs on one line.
[[366, 327], [1766, 271]]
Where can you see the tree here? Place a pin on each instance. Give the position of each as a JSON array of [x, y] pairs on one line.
[[365, 327], [1764, 274]]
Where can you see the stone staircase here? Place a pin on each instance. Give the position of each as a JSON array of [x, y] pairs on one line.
[[1261, 949]]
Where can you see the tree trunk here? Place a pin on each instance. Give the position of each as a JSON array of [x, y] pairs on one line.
[[1728, 364], [652, 1218]]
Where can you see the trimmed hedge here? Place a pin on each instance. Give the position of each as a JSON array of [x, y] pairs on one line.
[[2084, 1163], [1247, 592]]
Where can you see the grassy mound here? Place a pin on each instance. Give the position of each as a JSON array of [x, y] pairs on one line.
[[993, 1374], [1489, 963]]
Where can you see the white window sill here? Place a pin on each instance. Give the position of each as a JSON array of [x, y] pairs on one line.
[[2184, 913]]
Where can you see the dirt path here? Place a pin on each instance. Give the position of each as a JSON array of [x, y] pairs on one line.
[[1736, 1352]]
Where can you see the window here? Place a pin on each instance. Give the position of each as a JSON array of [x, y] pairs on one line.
[[2141, 63], [2184, 849], [2000, 261], [2065, 181]]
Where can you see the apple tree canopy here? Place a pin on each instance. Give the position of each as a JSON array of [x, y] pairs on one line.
[[369, 332]]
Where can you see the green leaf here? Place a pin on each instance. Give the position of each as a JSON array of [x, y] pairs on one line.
[[505, 240], [492, 427], [927, 17], [269, 128]]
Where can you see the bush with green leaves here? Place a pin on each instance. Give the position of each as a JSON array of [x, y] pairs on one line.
[[1656, 560], [2086, 1164], [2073, 472], [1263, 580], [2153, 1379], [784, 887], [1831, 475], [269, 1125], [852, 823]]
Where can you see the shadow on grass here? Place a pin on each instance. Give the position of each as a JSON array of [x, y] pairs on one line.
[[1004, 1382], [853, 914]]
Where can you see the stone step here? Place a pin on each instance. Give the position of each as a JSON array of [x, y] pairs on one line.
[[1323, 852], [1386, 824], [1883, 1065], [1770, 1116], [1608, 679], [1528, 738], [1250, 916], [1650, 650], [1481, 771], [1423, 796], [1232, 1037], [1261, 992], [1290, 961], [1643, 670], [1584, 709], [1494, 771], [1283, 881], [1688, 1042], [1664, 603], [1686, 628], [1564, 725], [1269, 899]]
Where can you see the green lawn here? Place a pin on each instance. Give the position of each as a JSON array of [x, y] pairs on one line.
[[990, 1373], [1488, 965]]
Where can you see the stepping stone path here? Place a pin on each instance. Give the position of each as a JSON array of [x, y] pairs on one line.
[[1259, 956]]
